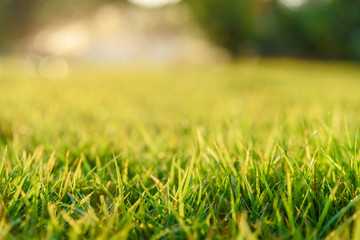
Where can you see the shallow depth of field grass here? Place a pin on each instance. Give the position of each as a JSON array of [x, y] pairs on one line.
[[258, 149]]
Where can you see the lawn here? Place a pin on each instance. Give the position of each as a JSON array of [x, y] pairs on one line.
[[256, 149]]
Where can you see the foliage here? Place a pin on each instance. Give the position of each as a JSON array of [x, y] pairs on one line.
[[321, 29]]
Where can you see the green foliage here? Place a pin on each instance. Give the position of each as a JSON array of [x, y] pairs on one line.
[[265, 149], [229, 23], [321, 29]]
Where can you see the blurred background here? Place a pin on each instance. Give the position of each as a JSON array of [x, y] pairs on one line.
[[48, 33]]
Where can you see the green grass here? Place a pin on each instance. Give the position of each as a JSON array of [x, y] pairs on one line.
[[258, 149]]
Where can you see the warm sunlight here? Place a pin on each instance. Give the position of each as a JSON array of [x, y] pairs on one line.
[[153, 3]]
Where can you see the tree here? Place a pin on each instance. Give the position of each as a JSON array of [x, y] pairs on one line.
[[321, 29]]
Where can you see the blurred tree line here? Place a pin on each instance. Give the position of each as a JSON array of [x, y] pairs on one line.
[[19, 19], [316, 28]]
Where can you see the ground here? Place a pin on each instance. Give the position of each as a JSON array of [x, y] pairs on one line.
[[255, 149]]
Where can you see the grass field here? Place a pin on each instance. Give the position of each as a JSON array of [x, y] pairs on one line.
[[258, 149]]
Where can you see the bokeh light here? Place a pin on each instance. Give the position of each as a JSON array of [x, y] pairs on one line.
[[293, 3], [153, 3], [53, 67]]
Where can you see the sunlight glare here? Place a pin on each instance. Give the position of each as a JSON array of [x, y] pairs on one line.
[[153, 3]]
